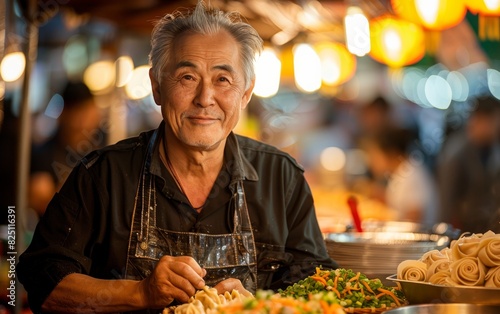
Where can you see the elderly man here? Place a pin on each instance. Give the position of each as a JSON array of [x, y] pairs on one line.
[[144, 223]]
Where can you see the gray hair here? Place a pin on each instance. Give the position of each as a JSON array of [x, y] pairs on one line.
[[203, 21]]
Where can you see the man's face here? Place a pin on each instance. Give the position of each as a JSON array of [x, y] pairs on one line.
[[202, 91]]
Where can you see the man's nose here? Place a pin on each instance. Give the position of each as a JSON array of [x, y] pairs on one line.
[[205, 94]]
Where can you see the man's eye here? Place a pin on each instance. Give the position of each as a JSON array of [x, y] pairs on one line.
[[188, 77], [223, 79]]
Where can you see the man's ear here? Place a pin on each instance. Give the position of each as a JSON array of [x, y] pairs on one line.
[[247, 95], [155, 86]]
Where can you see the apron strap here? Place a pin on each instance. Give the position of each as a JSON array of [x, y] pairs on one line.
[[144, 198]]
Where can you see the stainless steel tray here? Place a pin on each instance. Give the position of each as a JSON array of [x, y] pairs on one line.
[[380, 252], [417, 292], [388, 238], [446, 309]]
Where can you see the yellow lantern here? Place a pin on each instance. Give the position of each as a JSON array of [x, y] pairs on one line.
[[337, 63], [488, 21], [434, 15], [396, 42], [484, 7]]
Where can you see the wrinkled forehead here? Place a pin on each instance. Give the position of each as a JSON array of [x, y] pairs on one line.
[[219, 47]]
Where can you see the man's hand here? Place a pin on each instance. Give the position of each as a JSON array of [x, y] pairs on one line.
[[173, 278], [230, 285]]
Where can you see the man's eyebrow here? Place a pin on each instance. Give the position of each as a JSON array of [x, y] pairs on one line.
[[184, 64], [189, 64], [224, 67]]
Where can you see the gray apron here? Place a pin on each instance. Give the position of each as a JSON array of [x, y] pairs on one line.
[[224, 256]]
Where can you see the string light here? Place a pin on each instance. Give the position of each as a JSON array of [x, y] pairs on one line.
[[307, 68], [267, 70], [357, 31]]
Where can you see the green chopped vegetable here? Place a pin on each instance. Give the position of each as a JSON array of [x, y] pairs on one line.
[[346, 287]]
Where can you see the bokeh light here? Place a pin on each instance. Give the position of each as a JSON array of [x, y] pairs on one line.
[[396, 42], [494, 82], [438, 92], [139, 85], [338, 65], [267, 71], [357, 31], [333, 159], [100, 76], [55, 106], [427, 10], [75, 56], [307, 68], [12, 66], [459, 86], [124, 67]]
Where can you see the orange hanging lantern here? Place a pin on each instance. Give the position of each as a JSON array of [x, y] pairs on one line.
[[488, 21], [337, 63], [484, 7], [396, 42], [431, 14]]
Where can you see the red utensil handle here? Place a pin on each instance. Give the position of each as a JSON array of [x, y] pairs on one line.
[[353, 206]]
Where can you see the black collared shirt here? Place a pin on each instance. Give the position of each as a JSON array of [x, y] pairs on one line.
[[86, 227]]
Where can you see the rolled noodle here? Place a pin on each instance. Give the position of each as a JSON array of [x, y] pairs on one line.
[[465, 247], [441, 278], [412, 270], [447, 253], [489, 249], [441, 265], [468, 271], [492, 278], [432, 256]]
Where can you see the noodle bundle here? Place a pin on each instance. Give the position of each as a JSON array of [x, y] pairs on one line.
[[465, 247], [492, 278], [439, 266], [412, 270], [441, 278], [432, 256], [468, 271], [489, 249]]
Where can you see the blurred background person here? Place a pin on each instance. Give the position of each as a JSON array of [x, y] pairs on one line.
[[78, 134], [374, 116], [401, 179], [469, 171]]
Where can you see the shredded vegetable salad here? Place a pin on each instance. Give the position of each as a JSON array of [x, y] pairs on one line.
[[351, 289]]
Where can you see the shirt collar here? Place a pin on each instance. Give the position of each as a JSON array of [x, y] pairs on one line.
[[243, 169]]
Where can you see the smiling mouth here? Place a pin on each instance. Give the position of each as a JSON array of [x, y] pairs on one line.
[[202, 120]]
